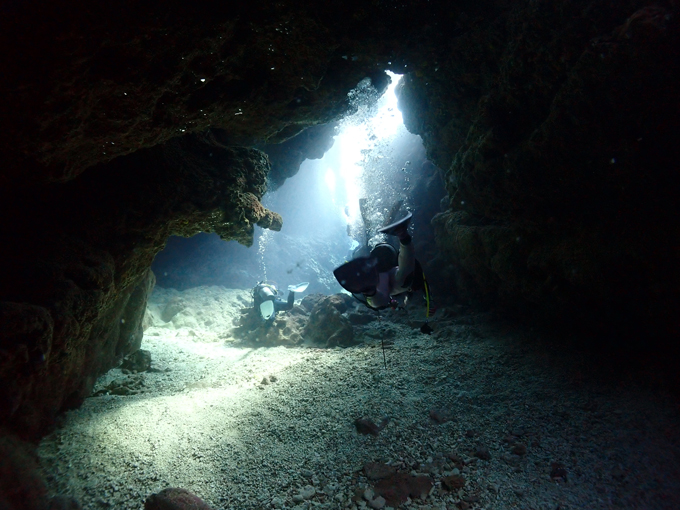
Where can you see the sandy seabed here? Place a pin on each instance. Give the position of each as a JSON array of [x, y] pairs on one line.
[[248, 427]]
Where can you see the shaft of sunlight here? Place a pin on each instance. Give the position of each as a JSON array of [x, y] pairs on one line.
[[359, 135]]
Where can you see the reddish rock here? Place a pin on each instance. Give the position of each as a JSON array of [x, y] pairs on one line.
[[482, 452], [420, 486], [396, 489], [378, 470], [440, 415], [456, 459], [558, 471], [175, 499], [453, 482]]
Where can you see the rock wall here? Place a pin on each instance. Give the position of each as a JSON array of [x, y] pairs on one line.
[[555, 125], [76, 272]]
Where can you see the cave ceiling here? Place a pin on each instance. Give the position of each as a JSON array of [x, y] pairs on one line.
[[554, 124]]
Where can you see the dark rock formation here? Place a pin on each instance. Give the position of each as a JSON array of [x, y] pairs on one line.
[[556, 124], [286, 157], [21, 485], [88, 84], [77, 274], [138, 361], [327, 326], [64, 503], [398, 487], [555, 128], [310, 301], [285, 329]]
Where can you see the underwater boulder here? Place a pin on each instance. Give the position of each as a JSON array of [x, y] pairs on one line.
[[139, 361], [327, 326], [285, 329], [310, 301], [341, 302], [361, 318], [174, 306]]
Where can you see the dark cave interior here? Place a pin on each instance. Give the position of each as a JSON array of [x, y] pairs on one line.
[[553, 126]]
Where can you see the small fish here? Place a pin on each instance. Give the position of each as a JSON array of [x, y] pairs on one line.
[[366, 426], [298, 265], [426, 329]]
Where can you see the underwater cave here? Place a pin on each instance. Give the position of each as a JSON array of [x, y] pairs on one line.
[[198, 307]]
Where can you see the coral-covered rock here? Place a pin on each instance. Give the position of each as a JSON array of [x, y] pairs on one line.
[[310, 301], [81, 287], [326, 324], [285, 329], [553, 128]]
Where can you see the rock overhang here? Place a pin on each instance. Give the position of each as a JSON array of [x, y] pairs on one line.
[[105, 101]]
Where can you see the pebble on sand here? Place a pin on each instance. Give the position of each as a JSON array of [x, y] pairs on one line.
[[175, 499], [482, 452]]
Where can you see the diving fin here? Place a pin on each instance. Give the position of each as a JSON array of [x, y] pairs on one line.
[[392, 228], [396, 207], [300, 287]]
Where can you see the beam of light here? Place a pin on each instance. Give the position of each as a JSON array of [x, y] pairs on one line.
[[359, 135], [330, 182], [328, 200], [388, 119]]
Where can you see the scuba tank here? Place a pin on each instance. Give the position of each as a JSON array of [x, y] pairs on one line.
[[264, 295]]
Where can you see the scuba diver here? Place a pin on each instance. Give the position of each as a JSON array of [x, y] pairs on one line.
[[267, 302], [384, 273]]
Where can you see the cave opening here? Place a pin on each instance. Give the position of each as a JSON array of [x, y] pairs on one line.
[[371, 159], [216, 405], [545, 215]]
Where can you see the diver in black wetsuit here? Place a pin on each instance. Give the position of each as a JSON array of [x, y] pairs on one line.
[[375, 279], [267, 302], [384, 273]]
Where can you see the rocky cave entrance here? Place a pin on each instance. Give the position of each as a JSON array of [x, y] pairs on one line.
[[368, 157], [555, 128], [217, 410]]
